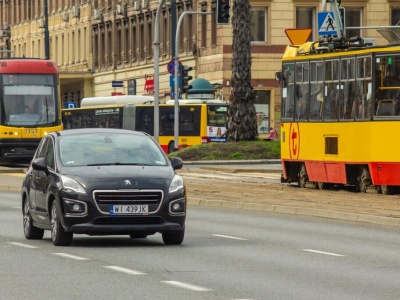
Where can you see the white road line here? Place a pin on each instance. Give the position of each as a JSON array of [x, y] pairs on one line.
[[71, 256], [322, 252], [124, 270], [230, 237], [187, 286], [17, 207], [23, 245]]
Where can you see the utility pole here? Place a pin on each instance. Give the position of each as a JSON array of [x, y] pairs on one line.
[[46, 31]]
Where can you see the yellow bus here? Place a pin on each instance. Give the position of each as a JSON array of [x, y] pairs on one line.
[[341, 114], [29, 106], [199, 121]]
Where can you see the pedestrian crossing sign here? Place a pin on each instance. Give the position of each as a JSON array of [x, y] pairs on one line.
[[326, 23]]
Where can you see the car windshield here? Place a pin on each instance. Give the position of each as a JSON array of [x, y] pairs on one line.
[[109, 149]]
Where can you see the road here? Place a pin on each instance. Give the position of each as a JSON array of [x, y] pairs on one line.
[[227, 254]]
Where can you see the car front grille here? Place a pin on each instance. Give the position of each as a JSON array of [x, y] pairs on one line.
[[104, 198]]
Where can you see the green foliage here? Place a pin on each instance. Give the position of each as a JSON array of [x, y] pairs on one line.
[[242, 150]]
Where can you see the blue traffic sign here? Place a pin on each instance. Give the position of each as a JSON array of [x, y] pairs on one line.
[[171, 67], [70, 104], [327, 24], [172, 81]]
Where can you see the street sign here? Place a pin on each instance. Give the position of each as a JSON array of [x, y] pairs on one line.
[[298, 36], [70, 104], [326, 23], [172, 81], [171, 67], [172, 95], [117, 84]]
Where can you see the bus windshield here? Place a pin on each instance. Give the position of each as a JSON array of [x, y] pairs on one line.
[[28, 99], [216, 119]]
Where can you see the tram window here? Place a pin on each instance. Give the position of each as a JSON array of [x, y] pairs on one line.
[[331, 145]]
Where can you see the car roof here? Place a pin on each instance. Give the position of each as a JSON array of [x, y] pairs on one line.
[[97, 130]]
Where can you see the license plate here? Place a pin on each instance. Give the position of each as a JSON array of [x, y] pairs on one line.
[[129, 209]]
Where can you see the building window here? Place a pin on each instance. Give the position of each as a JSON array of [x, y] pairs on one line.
[[395, 16], [305, 18], [258, 24], [353, 18]]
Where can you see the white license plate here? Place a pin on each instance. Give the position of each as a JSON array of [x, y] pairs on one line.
[[129, 209]]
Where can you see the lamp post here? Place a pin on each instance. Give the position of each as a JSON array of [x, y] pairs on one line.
[[176, 107], [46, 31]]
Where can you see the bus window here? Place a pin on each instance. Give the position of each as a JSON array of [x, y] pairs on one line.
[[189, 120]]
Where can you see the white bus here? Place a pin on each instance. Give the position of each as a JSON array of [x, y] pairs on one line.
[[116, 100]]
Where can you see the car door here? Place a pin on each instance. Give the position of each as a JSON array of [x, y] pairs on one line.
[[33, 179], [41, 178]]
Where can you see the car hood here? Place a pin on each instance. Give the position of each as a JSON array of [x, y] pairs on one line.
[[121, 177]]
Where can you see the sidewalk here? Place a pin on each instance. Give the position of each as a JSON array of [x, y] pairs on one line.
[[358, 207]]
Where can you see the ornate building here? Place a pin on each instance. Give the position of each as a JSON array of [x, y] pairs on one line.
[[99, 41]]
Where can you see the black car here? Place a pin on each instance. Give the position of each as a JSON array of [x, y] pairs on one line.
[[103, 182]]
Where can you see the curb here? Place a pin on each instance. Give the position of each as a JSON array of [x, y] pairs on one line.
[[234, 162], [13, 170], [311, 212], [242, 170]]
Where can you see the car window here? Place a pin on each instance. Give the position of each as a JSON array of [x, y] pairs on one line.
[[105, 148], [41, 152], [50, 154]]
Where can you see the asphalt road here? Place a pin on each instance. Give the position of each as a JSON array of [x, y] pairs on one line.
[[226, 254]]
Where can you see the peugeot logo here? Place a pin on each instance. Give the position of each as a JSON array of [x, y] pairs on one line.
[[127, 182]]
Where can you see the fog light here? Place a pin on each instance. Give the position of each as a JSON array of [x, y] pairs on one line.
[[76, 207], [176, 207]]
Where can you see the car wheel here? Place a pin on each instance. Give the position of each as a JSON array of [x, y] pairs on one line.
[[58, 236], [173, 237], [138, 235], [30, 231]]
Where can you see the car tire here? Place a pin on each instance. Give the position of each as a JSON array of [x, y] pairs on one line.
[[173, 237], [59, 237], [138, 235], [30, 231]]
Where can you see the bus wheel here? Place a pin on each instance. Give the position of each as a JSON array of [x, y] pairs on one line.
[[170, 147], [386, 190], [302, 177], [321, 185]]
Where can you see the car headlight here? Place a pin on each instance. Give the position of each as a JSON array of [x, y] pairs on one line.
[[70, 185], [176, 184]]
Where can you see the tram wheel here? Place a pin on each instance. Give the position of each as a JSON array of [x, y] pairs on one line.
[[362, 181], [386, 190], [321, 185], [302, 177]]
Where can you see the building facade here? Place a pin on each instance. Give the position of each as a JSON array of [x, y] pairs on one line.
[[97, 42]]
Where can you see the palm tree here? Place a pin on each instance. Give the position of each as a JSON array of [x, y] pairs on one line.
[[242, 121]]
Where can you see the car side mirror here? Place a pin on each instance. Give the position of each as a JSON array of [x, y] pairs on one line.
[[176, 163], [39, 164]]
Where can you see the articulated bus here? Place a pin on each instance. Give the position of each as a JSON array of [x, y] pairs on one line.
[[199, 121], [29, 106], [341, 115]]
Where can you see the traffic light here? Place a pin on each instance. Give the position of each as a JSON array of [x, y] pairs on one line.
[[185, 78], [223, 7]]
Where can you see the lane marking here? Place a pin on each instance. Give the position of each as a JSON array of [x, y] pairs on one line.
[[124, 270], [23, 245], [71, 256], [187, 286], [230, 237], [17, 207], [322, 252]]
